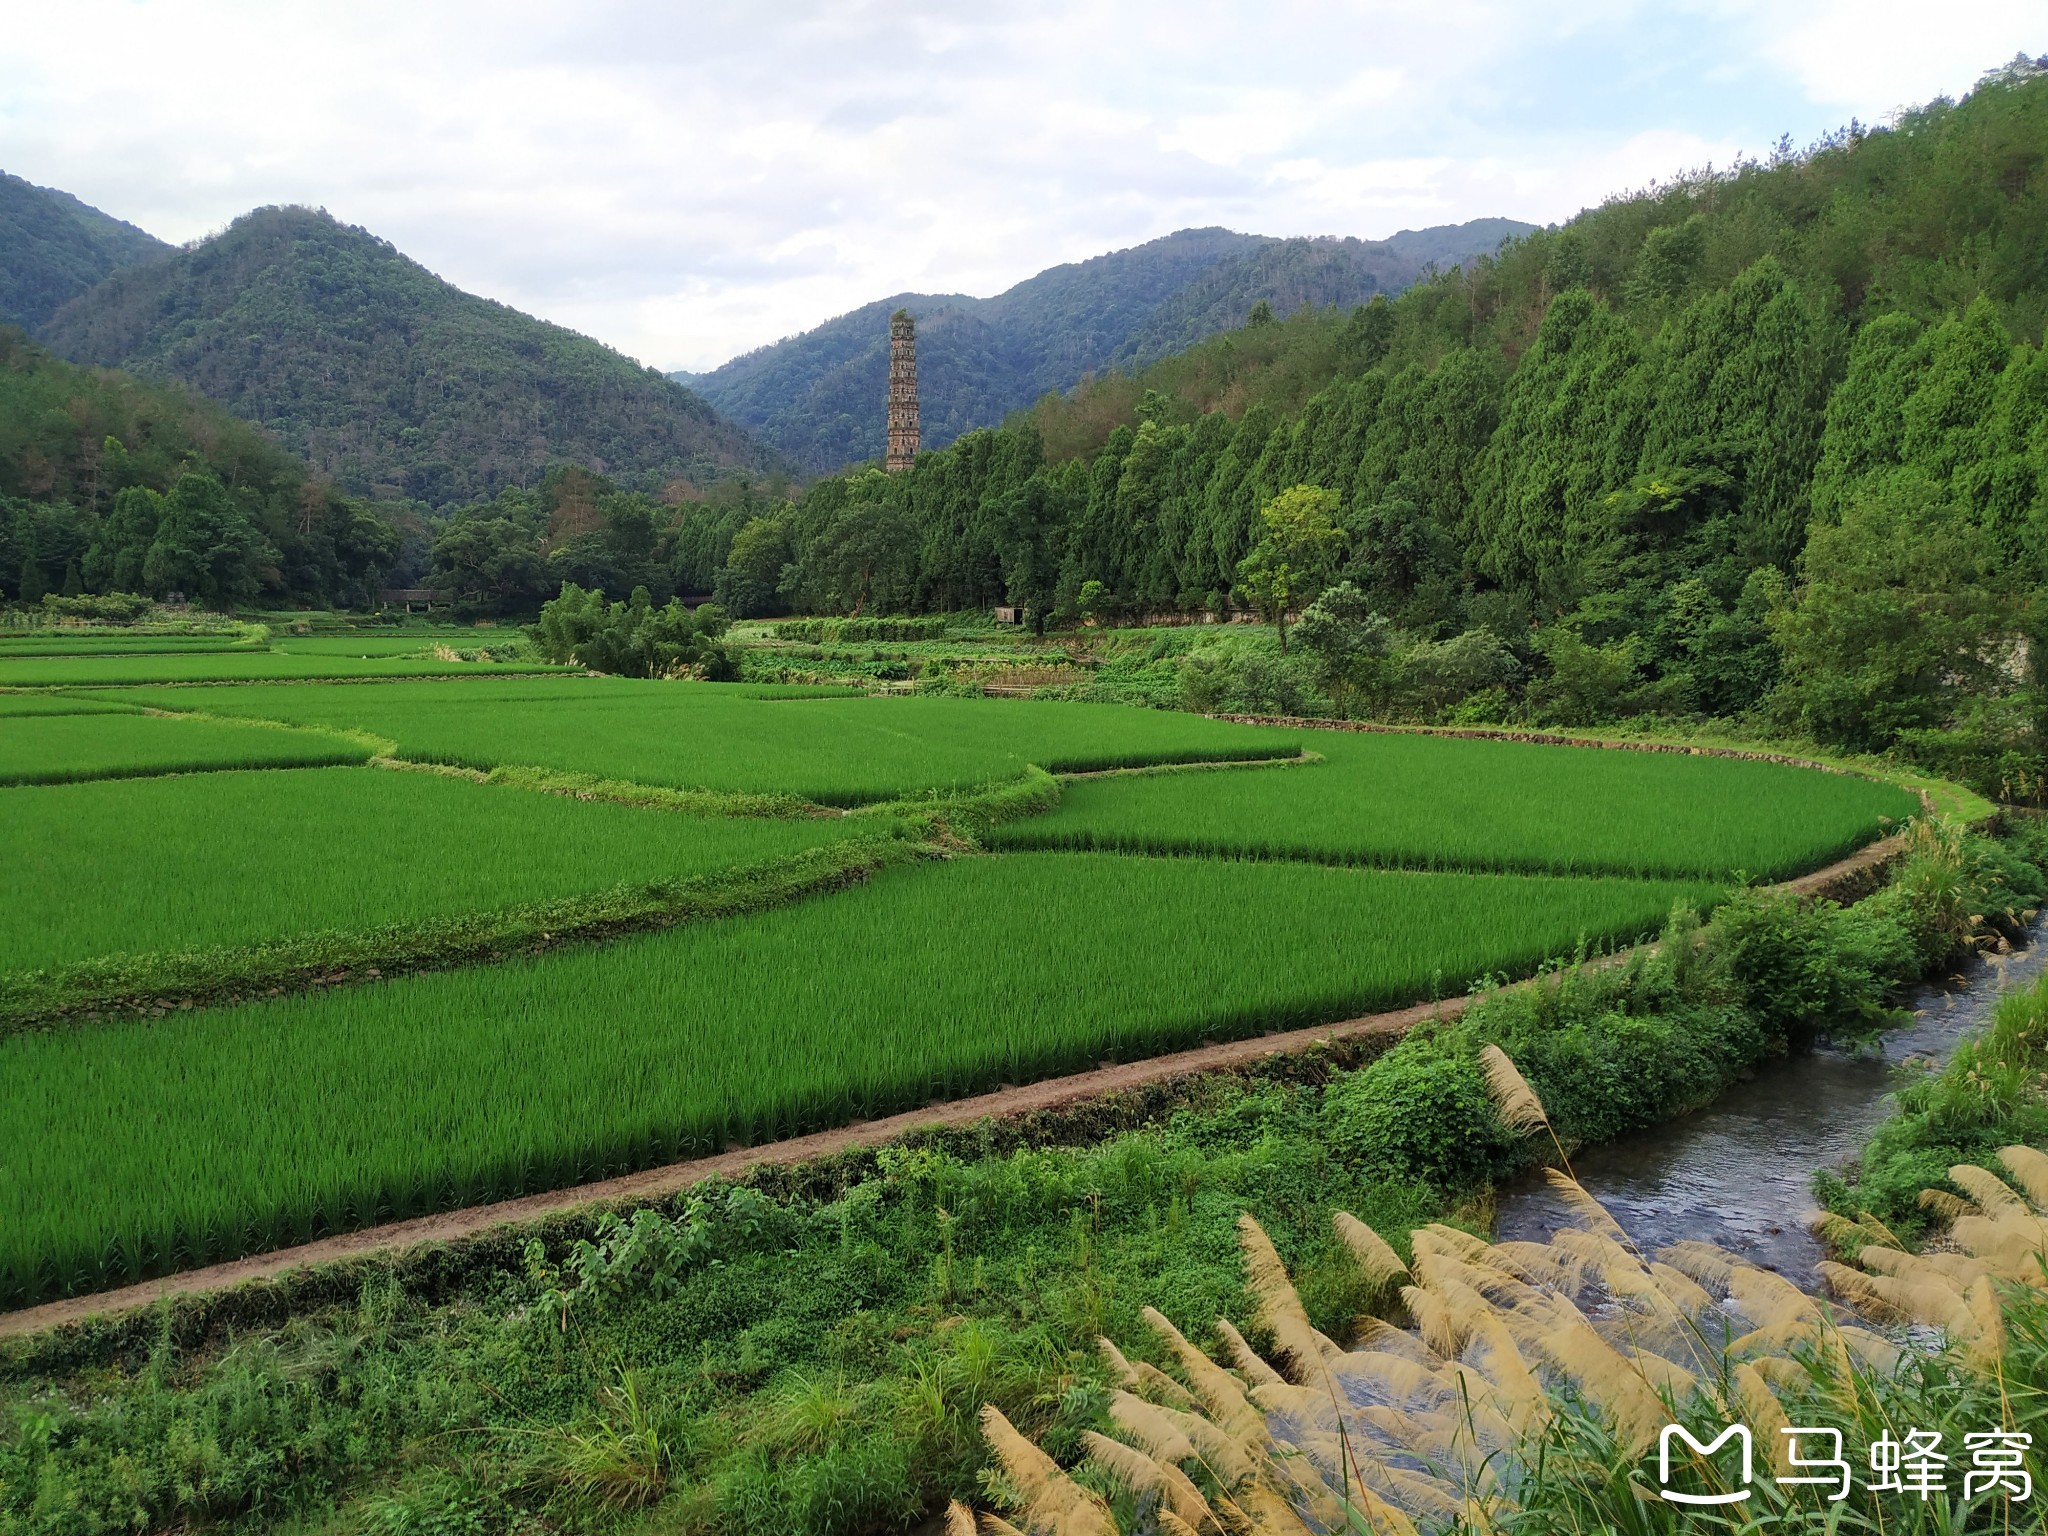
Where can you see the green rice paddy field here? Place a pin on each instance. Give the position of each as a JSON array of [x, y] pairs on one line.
[[16, 705], [232, 859], [834, 750], [131, 1149], [1436, 802], [136, 1146], [233, 666], [396, 642], [59, 749], [119, 643]]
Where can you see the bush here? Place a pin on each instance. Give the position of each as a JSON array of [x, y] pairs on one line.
[[634, 638]]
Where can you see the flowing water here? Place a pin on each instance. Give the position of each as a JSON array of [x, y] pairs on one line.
[[1739, 1172]]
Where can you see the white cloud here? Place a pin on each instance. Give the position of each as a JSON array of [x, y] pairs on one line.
[[686, 181]]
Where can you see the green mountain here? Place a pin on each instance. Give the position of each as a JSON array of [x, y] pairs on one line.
[[818, 397], [53, 248], [384, 377]]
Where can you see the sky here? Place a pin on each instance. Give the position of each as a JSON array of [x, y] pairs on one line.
[[686, 181]]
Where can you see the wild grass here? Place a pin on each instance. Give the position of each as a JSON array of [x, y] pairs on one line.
[[1531, 1387], [1450, 803], [132, 1149], [831, 749], [206, 861], [67, 748], [232, 666]]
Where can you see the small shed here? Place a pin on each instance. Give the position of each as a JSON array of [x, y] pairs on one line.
[[1009, 615]]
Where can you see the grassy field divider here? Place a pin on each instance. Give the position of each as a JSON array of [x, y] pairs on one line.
[[949, 818], [1301, 759], [159, 984], [651, 797]]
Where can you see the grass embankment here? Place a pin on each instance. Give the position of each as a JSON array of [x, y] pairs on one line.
[[174, 866], [808, 1351], [1437, 802], [132, 1149], [233, 666], [68, 748], [742, 738]]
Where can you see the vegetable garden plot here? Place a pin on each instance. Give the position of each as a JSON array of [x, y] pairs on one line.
[[133, 1149], [839, 751], [171, 865], [229, 667], [1453, 803], [65, 748]]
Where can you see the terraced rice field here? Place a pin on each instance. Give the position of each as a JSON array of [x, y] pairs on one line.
[[19, 705], [396, 642], [65, 748], [118, 643], [1397, 868], [132, 1149], [235, 859], [833, 750], [1431, 802], [233, 666]]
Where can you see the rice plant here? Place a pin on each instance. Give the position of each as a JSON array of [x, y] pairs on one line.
[[17, 705], [193, 862], [232, 665], [1449, 803], [836, 750], [134, 1149], [54, 748]]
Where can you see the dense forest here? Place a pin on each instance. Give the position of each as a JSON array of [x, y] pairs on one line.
[[57, 247], [1771, 437], [385, 379], [110, 484], [816, 396]]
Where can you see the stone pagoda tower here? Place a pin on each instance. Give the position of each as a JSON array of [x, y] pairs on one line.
[[903, 432]]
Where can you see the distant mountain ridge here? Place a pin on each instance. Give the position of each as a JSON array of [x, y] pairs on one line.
[[53, 247], [384, 377], [817, 397]]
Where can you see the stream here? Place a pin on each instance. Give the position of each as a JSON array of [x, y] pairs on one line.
[[1739, 1172]]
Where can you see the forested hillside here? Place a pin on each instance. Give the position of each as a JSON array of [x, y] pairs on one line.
[[383, 377], [109, 484], [53, 248], [817, 396], [1771, 438]]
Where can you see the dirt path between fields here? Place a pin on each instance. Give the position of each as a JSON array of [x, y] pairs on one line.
[[1848, 878]]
